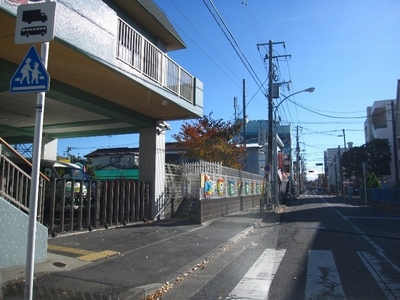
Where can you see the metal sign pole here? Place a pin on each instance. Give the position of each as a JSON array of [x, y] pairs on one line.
[[37, 147]]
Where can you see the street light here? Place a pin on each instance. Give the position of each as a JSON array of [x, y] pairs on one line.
[[272, 155], [309, 90]]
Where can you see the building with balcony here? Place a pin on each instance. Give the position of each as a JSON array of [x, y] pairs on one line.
[[381, 124], [110, 74]]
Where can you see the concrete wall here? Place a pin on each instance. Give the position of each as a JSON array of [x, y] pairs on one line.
[[214, 208], [14, 237]]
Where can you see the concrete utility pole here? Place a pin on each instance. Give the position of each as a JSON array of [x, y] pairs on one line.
[[270, 116], [344, 140], [270, 97], [244, 125], [395, 154], [298, 159]]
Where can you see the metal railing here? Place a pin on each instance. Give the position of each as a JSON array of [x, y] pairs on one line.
[[15, 184], [139, 53], [107, 203]]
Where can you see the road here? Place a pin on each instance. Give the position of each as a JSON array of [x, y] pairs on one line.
[[323, 248]]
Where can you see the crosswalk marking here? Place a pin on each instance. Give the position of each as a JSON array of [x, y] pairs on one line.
[[388, 281], [323, 279], [257, 281]]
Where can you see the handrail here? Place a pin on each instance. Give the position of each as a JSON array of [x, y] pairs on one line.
[[15, 183], [18, 155]]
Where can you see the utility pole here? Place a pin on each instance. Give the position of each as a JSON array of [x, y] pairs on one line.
[[298, 159], [395, 153], [271, 162], [270, 111], [244, 125], [341, 172], [344, 139]]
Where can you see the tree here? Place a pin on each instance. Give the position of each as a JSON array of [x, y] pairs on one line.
[[90, 168], [373, 181], [379, 156], [211, 140], [352, 160]]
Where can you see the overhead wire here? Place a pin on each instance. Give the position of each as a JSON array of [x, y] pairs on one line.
[[228, 34], [238, 82]]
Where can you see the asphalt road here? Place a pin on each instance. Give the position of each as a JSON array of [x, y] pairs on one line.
[[323, 248], [132, 261], [317, 247]]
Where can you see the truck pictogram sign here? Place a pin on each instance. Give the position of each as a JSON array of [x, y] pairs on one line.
[[35, 23], [33, 15]]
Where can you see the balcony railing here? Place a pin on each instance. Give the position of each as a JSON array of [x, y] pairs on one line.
[[139, 53]]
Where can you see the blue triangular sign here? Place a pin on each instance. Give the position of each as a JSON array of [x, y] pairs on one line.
[[31, 75]]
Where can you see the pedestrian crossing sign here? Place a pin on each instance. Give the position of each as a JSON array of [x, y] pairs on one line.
[[31, 75]]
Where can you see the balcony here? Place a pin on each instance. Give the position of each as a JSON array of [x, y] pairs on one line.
[[140, 54], [106, 77]]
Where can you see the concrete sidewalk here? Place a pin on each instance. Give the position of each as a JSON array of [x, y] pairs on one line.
[[130, 262]]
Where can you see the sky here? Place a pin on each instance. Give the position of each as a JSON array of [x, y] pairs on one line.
[[349, 51]]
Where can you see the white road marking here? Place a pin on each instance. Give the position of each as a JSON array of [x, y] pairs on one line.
[[388, 281], [257, 281], [323, 281]]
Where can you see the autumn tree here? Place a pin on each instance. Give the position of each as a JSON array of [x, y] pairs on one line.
[[211, 140]]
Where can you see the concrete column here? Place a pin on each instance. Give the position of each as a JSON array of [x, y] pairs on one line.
[[49, 148], [152, 167]]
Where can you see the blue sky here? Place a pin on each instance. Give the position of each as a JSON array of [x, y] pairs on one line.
[[348, 50]]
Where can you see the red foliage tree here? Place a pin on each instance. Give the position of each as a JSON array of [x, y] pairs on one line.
[[211, 140]]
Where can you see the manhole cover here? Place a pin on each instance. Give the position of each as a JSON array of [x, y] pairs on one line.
[[59, 264]]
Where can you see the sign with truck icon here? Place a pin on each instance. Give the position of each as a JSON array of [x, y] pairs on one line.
[[35, 23], [33, 15]]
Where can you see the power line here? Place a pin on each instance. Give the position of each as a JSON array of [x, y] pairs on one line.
[[200, 48], [228, 34]]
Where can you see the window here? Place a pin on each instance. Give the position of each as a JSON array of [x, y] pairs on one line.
[[115, 159]]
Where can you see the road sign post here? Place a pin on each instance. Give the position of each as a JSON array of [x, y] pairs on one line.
[[33, 200], [35, 24]]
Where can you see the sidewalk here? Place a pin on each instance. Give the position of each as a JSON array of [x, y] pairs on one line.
[[130, 262]]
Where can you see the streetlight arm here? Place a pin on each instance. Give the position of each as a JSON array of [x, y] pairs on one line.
[[309, 90]]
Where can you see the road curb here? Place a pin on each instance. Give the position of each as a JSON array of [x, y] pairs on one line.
[[140, 292], [156, 290]]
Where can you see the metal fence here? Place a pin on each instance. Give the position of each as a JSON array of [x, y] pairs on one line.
[[15, 187], [107, 203], [139, 53], [213, 180]]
